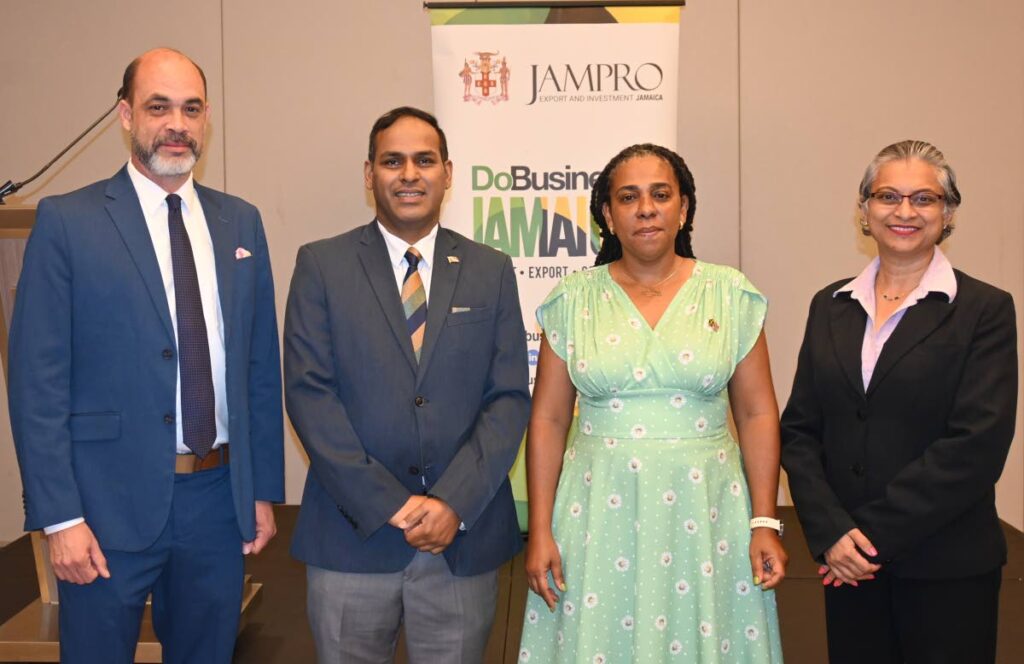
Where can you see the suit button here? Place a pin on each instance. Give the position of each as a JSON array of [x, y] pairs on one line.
[[168, 419], [857, 469], [419, 401], [167, 354], [862, 414], [413, 470]]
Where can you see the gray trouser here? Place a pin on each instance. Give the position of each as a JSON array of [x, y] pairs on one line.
[[355, 618]]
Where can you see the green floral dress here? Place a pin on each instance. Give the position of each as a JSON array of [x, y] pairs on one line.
[[652, 511]]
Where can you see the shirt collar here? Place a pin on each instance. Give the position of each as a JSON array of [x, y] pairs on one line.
[[937, 278], [397, 246], [152, 196]]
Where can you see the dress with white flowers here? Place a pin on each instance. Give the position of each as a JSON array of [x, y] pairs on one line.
[[652, 510]]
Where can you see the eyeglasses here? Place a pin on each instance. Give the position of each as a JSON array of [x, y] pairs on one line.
[[920, 200]]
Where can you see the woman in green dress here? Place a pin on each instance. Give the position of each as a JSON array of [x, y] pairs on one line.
[[642, 545]]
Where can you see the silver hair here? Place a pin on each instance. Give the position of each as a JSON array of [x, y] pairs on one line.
[[906, 150]]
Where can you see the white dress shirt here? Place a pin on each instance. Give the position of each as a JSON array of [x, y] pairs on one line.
[[396, 252], [153, 200]]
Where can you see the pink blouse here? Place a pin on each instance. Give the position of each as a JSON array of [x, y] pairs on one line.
[[938, 278]]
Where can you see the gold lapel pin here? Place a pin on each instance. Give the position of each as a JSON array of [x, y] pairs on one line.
[[453, 259]]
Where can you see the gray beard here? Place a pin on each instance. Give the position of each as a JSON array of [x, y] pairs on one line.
[[165, 166]]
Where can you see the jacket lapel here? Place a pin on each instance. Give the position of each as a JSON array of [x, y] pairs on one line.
[[444, 275], [847, 321], [224, 235], [373, 254], [126, 213], [918, 322]]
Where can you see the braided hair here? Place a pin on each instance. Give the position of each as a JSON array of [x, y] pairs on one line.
[[611, 247]]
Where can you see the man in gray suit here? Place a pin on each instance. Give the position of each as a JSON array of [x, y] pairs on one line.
[[406, 379]]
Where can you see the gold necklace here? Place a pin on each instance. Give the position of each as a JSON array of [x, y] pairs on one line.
[[651, 290]]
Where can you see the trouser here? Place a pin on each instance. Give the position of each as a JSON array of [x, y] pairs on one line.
[[898, 620], [194, 570], [355, 618]]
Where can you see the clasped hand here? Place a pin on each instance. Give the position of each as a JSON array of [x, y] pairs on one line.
[[844, 562], [428, 523]]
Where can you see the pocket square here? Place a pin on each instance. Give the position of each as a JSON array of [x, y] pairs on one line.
[[461, 310], [241, 253]]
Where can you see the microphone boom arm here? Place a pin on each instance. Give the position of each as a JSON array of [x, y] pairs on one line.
[[10, 187]]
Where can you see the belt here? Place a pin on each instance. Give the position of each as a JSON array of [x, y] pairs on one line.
[[190, 463]]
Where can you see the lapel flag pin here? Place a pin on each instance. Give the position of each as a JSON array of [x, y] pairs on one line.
[[453, 259]]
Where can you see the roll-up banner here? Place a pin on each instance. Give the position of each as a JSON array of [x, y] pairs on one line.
[[534, 102]]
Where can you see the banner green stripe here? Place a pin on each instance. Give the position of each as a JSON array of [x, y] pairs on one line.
[[555, 16], [524, 16]]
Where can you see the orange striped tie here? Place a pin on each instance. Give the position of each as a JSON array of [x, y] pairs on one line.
[[414, 301]]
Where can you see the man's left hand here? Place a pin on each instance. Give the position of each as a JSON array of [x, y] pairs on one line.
[[266, 528], [433, 526]]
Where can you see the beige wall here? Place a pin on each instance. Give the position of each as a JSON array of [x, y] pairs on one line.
[[823, 87], [777, 97]]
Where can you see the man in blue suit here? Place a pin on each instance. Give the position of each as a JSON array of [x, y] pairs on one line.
[[145, 387], [406, 379]]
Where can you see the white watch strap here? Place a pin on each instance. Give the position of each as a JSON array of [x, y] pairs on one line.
[[766, 522]]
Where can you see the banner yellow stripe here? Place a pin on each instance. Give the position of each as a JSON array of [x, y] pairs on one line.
[[645, 14]]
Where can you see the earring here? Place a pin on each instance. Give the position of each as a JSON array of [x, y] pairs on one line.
[[864, 227], [611, 231], [947, 230]]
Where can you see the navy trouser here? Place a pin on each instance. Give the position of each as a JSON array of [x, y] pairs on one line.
[[194, 570]]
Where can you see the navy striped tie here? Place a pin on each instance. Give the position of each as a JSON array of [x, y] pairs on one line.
[[198, 421]]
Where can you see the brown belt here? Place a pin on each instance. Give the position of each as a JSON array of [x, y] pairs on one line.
[[190, 463]]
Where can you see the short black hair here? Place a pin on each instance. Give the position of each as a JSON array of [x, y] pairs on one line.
[[396, 114], [611, 248], [128, 80]]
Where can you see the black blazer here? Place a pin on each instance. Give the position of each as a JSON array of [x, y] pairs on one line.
[[913, 461]]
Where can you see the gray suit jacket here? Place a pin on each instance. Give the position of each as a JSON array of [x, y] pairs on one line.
[[380, 427]]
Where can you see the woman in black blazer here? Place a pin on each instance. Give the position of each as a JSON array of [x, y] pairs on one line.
[[898, 426]]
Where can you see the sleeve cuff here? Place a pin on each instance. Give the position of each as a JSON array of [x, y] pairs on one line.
[[63, 525]]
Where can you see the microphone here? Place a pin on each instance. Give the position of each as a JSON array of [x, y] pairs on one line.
[[10, 187]]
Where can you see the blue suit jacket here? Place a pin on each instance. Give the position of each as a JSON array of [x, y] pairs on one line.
[[377, 425], [93, 365]]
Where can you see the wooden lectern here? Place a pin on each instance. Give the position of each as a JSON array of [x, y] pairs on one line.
[[32, 634]]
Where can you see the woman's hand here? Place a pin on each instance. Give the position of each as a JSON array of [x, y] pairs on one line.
[[768, 558], [542, 556], [845, 564]]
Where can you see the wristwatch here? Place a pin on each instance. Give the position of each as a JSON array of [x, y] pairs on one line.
[[767, 522]]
